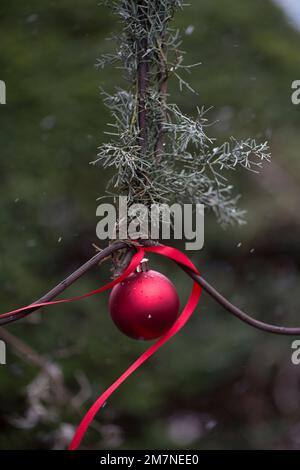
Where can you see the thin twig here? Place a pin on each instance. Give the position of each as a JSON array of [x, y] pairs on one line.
[[63, 285], [163, 89], [237, 312], [24, 351], [104, 254], [269, 328], [143, 80]]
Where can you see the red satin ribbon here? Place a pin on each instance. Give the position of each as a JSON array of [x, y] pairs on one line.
[[193, 300], [135, 261]]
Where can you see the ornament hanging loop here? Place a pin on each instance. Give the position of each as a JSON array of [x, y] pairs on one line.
[[143, 267]]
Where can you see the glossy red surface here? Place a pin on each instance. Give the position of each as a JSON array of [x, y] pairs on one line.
[[145, 305]]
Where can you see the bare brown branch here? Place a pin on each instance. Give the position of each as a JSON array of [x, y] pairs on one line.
[[107, 252]]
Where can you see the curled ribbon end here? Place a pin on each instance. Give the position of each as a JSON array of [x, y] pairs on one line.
[[179, 257]]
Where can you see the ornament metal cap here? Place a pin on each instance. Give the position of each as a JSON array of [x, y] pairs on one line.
[[143, 267]]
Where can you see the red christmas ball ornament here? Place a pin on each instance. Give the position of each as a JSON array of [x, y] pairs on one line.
[[145, 305]]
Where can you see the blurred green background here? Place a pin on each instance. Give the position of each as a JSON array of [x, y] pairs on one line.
[[219, 384]]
